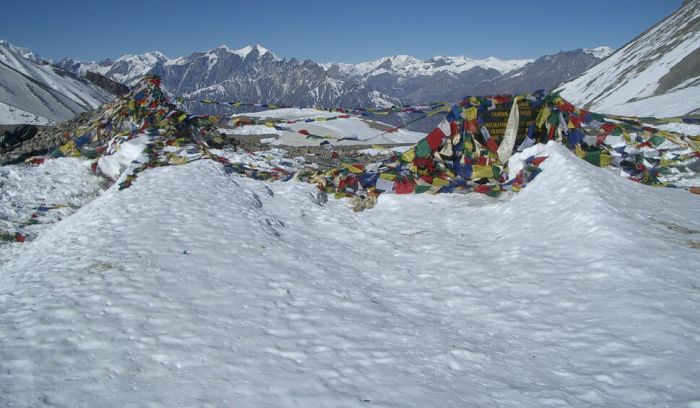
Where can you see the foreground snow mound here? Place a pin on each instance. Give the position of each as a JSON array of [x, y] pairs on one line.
[[198, 288]]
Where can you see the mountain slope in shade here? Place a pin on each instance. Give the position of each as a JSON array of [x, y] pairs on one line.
[[53, 95], [658, 73], [546, 72]]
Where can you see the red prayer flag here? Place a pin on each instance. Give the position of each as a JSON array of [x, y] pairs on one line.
[[471, 126], [608, 127], [538, 160], [435, 138], [483, 188], [492, 145], [454, 128], [404, 187]]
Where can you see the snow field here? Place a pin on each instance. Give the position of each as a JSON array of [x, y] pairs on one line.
[[194, 288], [355, 127]]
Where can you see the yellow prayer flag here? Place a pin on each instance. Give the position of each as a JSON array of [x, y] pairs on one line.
[[667, 163], [479, 171], [176, 159], [408, 155], [438, 182], [352, 168], [470, 113], [543, 116], [69, 149]]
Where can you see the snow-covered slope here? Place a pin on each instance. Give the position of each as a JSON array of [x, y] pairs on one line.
[[360, 130], [655, 74], [43, 90], [11, 115], [196, 288], [25, 53]]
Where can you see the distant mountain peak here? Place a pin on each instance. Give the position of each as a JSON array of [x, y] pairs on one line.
[[404, 59], [151, 54], [245, 51], [600, 52]]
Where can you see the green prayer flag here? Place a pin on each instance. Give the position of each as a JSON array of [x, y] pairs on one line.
[[423, 149]]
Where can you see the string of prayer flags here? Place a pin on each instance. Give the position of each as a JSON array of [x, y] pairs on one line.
[[468, 151]]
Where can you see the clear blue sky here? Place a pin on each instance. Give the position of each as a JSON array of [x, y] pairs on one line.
[[346, 31]]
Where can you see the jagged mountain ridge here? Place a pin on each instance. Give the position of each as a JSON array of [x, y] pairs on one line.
[[254, 73], [657, 73]]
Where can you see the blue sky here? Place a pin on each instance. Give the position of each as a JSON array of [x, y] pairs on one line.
[[346, 31]]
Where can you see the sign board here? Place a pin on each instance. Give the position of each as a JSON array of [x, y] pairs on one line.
[[496, 119]]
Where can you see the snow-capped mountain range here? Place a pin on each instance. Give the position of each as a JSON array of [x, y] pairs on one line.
[[408, 66], [254, 73], [33, 91], [657, 73]]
